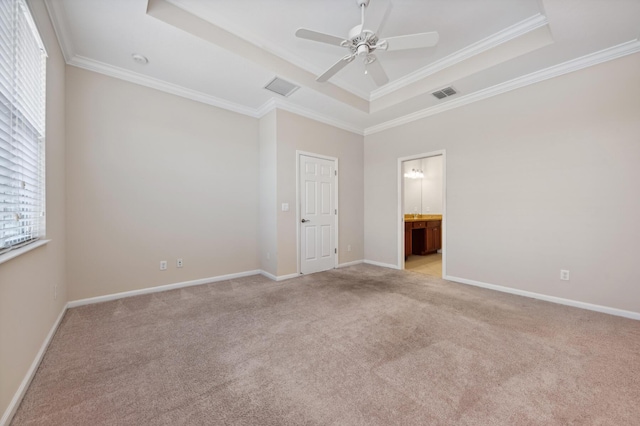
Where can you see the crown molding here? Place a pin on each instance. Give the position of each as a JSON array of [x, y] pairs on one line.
[[523, 27], [163, 86], [586, 61], [194, 95], [56, 13], [273, 103], [60, 27], [595, 58], [266, 108]]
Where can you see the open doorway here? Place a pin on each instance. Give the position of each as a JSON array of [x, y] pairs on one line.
[[422, 210]]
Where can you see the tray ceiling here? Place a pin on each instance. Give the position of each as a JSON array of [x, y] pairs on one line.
[[224, 52]]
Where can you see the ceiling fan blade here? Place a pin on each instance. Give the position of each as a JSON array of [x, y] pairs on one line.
[[335, 68], [321, 37], [383, 22], [413, 41], [377, 72]]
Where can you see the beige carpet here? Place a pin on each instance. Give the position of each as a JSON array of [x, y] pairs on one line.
[[355, 346]]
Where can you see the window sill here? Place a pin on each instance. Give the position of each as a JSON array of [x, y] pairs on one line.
[[22, 250]]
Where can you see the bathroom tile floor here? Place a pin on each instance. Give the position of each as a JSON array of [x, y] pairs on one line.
[[430, 264]]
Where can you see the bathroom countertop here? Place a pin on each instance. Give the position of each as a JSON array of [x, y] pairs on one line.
[[422, 217]]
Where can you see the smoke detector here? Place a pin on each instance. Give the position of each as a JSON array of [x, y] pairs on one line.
[[140, 59]]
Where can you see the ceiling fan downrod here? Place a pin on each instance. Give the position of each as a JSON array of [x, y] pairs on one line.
[[363, 5]]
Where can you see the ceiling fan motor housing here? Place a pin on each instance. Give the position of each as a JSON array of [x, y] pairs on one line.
[[361, 42], [362, 49]]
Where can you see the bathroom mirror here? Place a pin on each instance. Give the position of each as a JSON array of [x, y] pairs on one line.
[[423, 186]]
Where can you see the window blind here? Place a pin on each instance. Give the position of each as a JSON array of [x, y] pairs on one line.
[[22, 127]]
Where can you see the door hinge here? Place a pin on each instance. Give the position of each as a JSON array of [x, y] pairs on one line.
[[335, 251], [335, 172], [336, 211]]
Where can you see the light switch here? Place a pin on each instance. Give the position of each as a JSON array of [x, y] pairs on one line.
[[285, 207]]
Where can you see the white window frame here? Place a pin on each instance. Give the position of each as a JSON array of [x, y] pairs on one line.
[[22, 131]]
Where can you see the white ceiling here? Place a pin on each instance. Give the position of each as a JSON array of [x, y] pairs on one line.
[[223, 52]]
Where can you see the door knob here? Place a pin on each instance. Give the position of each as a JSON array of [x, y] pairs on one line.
[[305, 220]]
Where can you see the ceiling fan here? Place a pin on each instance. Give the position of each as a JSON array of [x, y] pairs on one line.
[[363, 43]]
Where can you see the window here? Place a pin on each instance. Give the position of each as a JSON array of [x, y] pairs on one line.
[[22, 127]]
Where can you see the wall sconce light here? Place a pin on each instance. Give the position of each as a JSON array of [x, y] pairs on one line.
[[414, 174]]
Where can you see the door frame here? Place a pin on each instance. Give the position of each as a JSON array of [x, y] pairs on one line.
[[400, 220], [298, 207]]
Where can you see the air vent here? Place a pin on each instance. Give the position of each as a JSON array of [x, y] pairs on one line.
[[439, 94], [443, 93], [281, 87]]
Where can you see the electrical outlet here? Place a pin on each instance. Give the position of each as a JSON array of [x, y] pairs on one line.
[[349, 247], [564, 275], [163, 265], [179, 263], [55, 292]]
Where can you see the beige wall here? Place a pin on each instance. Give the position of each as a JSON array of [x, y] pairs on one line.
[[302, 134], [538, 179], [27, 307], [151, 177], [268, 223]]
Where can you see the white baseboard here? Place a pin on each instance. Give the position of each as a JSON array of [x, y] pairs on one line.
[[553, 299], [287, 277], [355, 262], [160, 288], [22, 389], [384, 265], [278, 278], [269, 275]]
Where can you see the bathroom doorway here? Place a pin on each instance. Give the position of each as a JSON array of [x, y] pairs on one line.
[[421, 208]]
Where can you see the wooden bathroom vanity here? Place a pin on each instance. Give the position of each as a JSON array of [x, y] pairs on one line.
[[422, 235]]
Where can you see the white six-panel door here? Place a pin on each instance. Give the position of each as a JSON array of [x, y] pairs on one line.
[[317, 214]]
